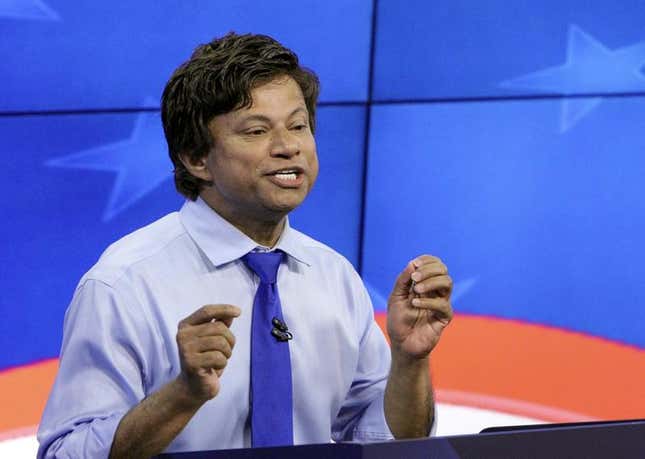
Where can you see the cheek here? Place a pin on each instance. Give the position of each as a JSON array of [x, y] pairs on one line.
[[314, 169], [232, 174], [313, 159]]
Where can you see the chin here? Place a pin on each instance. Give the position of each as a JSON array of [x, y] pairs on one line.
[[285, 204], [285, 208]]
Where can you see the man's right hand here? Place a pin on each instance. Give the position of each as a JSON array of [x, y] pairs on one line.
[[205, 344]]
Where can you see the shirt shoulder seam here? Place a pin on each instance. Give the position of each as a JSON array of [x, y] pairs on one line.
[[122, 270]]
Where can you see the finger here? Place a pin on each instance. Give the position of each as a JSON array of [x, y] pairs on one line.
[[207, 360], [213, 359], [193, 362], [403, 281], [441, 285], [228, 322], [211, 329], [188, 337], [424, 260], [429, 270], [223, 312], [440, 307], [214, 343]]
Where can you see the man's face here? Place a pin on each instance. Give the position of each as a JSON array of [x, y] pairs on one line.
[[263, 162]]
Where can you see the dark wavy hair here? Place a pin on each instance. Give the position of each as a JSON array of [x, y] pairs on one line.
[[217, 79]]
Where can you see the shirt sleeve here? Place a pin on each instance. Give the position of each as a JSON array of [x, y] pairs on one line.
[[101, 373], [362, 416]]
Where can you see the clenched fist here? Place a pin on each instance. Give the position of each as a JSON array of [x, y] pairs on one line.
[[205, 344]]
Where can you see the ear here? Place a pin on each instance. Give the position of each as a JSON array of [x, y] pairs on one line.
[[197, 167]]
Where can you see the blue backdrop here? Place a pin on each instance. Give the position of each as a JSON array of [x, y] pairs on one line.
[[507, 139]]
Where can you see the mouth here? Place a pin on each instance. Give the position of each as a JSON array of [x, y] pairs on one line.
[[288, 177]]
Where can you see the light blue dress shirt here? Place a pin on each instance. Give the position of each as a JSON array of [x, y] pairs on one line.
[[119, 338]]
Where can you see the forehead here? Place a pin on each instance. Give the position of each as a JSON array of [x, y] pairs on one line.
[[280, 94], [280, 98]]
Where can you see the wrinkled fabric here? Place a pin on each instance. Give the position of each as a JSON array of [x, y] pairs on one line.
[[119, 338]]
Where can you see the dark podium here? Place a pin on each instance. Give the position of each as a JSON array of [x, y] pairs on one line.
[[602, 440]]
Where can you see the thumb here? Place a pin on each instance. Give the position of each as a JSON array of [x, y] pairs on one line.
[[403, 282]]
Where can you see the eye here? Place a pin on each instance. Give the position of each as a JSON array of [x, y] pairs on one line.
[[255, 131], [299, 127]]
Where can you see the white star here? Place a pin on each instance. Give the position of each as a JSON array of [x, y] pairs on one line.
[[590, 68], [140, 162], [27, 9]]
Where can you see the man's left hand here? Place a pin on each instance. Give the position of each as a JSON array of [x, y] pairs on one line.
[[419, 307]]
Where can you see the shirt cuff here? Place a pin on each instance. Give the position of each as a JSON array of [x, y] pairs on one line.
[[88, 439], [370, 431]]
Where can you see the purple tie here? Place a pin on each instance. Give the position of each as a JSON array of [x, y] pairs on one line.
[[271, 397]]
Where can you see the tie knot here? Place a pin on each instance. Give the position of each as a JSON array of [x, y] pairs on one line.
[[264, 264]]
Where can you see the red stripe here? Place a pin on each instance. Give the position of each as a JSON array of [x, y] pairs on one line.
[[537, 371], [23, 393], [502, 365]]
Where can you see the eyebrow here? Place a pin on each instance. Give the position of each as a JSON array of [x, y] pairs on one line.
[[266, 119]]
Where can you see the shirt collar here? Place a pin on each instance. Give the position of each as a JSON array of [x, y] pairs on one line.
[[223, 242]]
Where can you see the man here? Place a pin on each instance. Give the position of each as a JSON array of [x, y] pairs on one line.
[[163, 347]]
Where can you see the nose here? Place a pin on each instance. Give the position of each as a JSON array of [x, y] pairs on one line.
[[284, 144]]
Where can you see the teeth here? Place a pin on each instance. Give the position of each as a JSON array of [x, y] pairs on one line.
[[287, 175]]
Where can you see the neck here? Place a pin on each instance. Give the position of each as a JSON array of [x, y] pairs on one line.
[[265, 232]]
